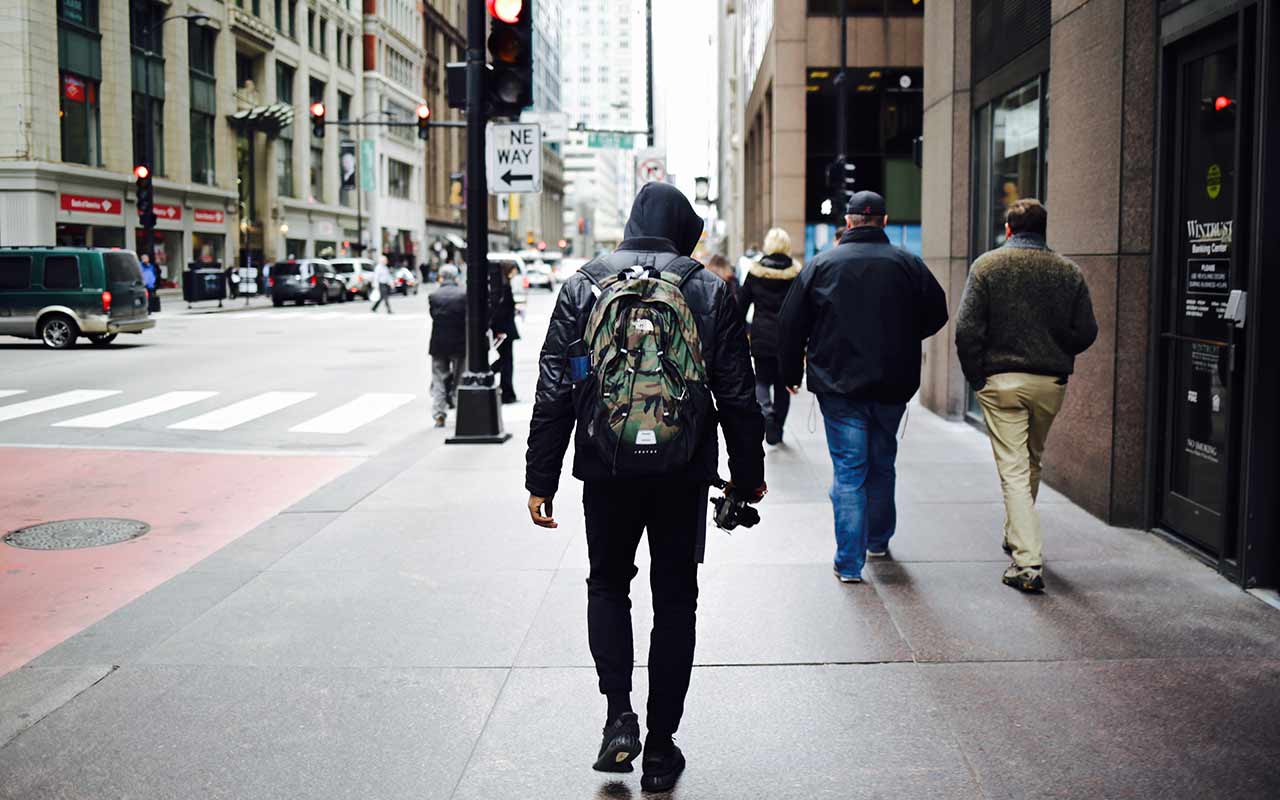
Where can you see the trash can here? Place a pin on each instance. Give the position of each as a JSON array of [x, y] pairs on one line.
[[204, 281]]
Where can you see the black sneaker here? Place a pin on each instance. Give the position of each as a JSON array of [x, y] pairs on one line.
[[772, 432], [621, 744], [661, 770]]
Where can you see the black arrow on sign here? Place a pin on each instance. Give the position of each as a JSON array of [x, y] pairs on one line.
[[507, 177]]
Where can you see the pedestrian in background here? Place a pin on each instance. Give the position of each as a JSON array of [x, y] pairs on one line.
[[150, 280], [667, 499], [856, 316], [722, 269], [382, 277], [1024, 317], [505, 331], [448, 347], [764, 289]]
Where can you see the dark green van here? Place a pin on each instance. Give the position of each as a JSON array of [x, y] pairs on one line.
[[56, 294]]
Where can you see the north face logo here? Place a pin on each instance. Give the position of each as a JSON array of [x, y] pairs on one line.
[[642, 326]]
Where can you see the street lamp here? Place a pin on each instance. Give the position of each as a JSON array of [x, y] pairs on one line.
[[148, 135]]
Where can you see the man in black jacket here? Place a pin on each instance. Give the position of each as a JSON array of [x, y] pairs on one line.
[[859, 312], [448, 346], [663, 229]]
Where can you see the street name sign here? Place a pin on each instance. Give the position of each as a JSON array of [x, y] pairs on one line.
[[610, 139], [513, 158]]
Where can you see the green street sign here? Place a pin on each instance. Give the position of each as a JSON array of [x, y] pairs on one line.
[[368, 166], [617, 141]]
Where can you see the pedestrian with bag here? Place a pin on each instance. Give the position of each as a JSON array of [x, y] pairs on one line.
[[382, 277], [854, 320], [766, 286], [448, 347], [641, 344], [1024, 317], [503, 326]]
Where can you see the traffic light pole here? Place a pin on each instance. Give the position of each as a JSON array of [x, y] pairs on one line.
[[479, 418], [842, 109]]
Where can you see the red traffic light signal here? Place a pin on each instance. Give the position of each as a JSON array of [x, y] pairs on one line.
[[141, 172], [424, 121], [1221, 102], [317, 120], [507, 11]]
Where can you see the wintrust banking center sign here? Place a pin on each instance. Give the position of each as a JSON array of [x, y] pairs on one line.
[[91, 205]]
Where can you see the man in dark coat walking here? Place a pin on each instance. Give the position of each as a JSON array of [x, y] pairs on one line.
[[856, 317], [662, 232], [448, 346], [766, 286]]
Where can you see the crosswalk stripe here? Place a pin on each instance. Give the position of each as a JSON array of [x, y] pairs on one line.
[[349, 416], [53, 402], [134, 411], [243, 411], [11, 392]]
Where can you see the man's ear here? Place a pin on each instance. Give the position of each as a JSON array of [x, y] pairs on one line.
[[848, 222], [884, 223]]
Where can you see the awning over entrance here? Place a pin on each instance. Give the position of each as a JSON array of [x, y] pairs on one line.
[[268, 119]]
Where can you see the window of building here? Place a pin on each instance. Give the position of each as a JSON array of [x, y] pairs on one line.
[[83, 13], [147, 43], [254, 6], [81, 126], [317, 172], [401, 114], [311, 30], [284, 143], [324, 36], [1010, 164], [293, 19], [281, 19], [867, 8], [61, 272], [204, 105], [399, 179], [15, 272]]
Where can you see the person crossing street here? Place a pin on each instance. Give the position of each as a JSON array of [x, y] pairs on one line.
[[382, 277]]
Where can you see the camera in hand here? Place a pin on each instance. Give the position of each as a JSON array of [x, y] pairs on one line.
[[732, 510]]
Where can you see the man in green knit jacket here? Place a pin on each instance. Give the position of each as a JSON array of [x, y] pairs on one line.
[[1024, 317]]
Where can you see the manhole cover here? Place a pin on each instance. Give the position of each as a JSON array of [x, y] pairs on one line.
[[69, 534]]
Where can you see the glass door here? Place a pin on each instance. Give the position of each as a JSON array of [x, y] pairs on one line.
[[1203, 350]]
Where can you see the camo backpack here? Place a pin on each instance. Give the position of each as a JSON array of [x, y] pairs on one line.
[[646, 406]]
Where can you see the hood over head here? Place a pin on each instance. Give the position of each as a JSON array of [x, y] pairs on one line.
[[661, 211]]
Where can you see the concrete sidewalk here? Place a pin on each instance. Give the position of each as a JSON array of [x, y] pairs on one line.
[[407, 633]]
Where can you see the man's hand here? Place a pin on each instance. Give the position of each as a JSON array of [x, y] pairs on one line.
[[536, 512], [793, 389], [752, 496]]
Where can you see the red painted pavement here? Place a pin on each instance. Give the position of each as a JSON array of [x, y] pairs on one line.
[[194, 502]]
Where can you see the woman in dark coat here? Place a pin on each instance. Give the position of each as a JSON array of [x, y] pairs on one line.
[[766, 287], [504, 323]]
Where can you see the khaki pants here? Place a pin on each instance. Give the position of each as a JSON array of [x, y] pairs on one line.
[[1019, 408]]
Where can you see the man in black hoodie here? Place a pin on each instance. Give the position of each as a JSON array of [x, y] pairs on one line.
[[662, 232]]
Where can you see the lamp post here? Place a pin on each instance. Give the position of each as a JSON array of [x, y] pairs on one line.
[[148, 135]]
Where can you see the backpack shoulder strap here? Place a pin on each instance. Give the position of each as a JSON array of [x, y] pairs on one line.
[[679, 269]]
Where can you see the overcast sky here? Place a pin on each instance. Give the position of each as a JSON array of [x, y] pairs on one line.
[[684, 51]]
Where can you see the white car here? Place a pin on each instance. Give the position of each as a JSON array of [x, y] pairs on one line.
[[357, 274]]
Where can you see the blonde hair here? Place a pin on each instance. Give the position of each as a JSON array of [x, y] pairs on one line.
[[777, 241]]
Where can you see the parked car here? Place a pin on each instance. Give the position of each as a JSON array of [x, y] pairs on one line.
[[540, 268], [57, 294], [406, 281], [357, 274], [305, 279]]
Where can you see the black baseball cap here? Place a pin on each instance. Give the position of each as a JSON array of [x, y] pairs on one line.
[[868, 204]]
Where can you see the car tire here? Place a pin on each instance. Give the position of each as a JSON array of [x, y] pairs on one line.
[[58, 331], [301, 301], [277, 302], [102, 339]]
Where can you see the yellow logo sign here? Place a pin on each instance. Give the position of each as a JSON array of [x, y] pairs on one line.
[[1213, 181]]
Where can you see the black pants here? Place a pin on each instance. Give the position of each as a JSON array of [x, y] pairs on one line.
[[616, 514], [384, 296], [771, 391], [505, 367]]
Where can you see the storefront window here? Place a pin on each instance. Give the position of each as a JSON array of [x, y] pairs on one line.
[[81, 128], [295, 248], [207, 248], [1010, 135]]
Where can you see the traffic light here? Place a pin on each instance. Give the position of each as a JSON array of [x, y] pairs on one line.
[[510, 83], [424, 118], [840, 182], [145, 194], [317, 120]]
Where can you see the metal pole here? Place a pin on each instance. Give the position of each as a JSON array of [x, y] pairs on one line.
[[148, 147], [842, 105], [479, 418], [648, 36]]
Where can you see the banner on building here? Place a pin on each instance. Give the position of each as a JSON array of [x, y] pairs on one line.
[[368, 166], [347, 165]]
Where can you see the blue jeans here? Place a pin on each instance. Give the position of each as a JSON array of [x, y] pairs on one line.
[[863, 439]]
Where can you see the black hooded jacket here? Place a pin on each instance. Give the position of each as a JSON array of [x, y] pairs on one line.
[[856, 317], [665, 226]]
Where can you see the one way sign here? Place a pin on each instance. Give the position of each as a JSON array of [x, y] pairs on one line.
[[513, 158]]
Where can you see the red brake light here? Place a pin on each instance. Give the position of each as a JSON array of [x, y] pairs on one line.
[[271, 282], [106, 301], [313, 280]]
